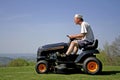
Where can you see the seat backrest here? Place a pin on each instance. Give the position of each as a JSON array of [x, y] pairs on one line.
[[93, 46]]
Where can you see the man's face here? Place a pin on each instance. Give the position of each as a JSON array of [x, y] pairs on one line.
[[76, 20]]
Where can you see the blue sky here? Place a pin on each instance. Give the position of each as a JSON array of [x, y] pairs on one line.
[[27, 24]]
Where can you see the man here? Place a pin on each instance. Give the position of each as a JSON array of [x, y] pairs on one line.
[[85, 37]]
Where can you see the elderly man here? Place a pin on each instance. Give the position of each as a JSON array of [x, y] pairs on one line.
[[85, 37]]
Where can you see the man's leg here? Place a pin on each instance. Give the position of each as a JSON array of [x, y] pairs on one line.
[[75, 50], [71, 47]]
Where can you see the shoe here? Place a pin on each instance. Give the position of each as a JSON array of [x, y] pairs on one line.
[[58, 54], [63, 55]]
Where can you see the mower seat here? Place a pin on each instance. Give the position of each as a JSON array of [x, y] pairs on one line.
[[92, 46]]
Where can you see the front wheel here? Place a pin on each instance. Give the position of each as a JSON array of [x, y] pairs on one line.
[[42, 67], [92, 65]]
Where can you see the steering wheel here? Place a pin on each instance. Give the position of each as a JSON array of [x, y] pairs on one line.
[[70, 39]]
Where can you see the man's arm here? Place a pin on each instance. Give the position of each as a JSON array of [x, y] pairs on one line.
[[77, 36]]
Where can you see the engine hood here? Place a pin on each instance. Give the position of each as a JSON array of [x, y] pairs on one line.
[[53, 47]]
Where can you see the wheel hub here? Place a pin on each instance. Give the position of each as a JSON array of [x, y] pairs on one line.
[[42, 67], [92, 66]]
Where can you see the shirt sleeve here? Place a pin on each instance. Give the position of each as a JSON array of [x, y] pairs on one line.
[[83, 28]]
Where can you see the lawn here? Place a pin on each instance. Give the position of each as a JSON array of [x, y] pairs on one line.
[[28, 73]]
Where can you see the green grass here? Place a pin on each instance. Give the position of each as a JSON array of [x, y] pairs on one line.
[[28, 73]]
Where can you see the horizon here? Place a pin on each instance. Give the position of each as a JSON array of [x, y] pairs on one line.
[[14, 55]]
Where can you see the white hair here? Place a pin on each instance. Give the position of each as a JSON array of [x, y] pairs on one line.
[[78, 16]]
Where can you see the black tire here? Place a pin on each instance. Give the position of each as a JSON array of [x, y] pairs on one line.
[[92, 65], [42, 67]]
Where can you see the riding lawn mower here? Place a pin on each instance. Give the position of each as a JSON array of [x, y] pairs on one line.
[[50, 59]]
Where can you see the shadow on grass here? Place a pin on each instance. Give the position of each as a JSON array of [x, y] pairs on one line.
[[81, 72], [109, 72]]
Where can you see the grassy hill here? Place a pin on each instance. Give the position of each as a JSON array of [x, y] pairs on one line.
[[28, 73], [6, 58]]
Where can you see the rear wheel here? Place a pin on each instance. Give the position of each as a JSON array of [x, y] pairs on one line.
[[92, 65], [42, 67]]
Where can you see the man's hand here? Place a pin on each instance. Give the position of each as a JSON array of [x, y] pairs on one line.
[[70, 36]]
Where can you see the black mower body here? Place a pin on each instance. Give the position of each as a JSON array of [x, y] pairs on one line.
[[45, 51], [50, 48], [52, 56]]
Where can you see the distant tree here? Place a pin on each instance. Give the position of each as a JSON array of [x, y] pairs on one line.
[[115, 47], [113, 52], [103, 57], [18, 62], [0, 64]]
